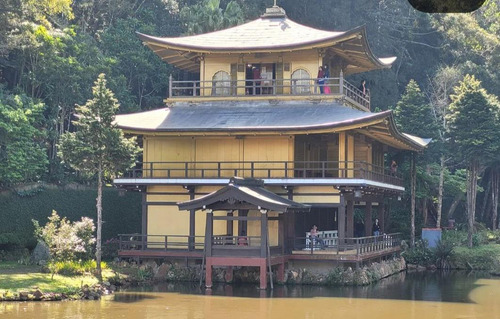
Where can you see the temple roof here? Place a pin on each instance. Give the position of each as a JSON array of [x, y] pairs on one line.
[[244, 193], [272, 32], [263, 117]]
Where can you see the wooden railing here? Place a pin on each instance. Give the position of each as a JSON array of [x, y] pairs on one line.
[[352, 246], [162, 242], [266, 169], [257, 87]]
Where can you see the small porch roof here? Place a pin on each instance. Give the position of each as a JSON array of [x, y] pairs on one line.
[[243, 193]]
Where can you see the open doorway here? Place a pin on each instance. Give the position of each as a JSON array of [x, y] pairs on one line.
[[260, 78]]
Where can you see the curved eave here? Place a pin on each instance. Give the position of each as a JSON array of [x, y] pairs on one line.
[[373, 118], [186, 56]]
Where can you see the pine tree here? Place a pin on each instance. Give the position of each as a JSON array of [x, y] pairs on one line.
[[474, 130], [98, 147]]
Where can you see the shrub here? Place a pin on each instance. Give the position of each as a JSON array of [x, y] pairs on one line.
[[66, 240], [482, 257], [73, 268], [418, 255], [443, 253]]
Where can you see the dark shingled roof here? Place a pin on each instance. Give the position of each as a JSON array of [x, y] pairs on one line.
[[244, 191], [245, 116]]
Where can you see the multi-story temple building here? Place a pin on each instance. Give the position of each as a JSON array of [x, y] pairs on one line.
[[271, 106]]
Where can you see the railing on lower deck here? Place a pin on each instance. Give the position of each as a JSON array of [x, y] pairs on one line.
[[266, 169], [160, 242], [350, 246], [267, 87]]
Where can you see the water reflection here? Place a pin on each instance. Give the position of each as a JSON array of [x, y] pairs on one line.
[[412, 296], [424, 286]]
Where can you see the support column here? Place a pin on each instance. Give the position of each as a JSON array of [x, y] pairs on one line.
[[192, 219], [381, 217], [208, 249], [341, 219], [208, 273], [229, 274], [289, 226], [368, 219], [229, 224], [263, 235], [242, 224], [144, 226], [350, 219], [281, 273], [263, 273]]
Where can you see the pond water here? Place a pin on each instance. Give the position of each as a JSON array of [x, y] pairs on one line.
[[407, 295]]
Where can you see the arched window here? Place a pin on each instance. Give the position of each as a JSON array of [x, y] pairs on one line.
[[301, 82], [221, 84]]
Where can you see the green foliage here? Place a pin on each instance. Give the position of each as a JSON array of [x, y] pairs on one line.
[[474, 127], [208, 16], [73, 268], [98, 146], [419, 255], [66, 240], [22, 150], [16, 228], [443, 252], [481, 257]]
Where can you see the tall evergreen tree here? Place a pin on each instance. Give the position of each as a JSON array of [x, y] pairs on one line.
[[474, 130], [98, 147]]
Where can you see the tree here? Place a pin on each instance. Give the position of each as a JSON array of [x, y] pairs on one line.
[[413, 115], [98, 147], [22, 151], [474, 130]]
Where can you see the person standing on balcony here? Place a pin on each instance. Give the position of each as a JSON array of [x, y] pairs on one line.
[[394, 168], [321, 79], [376, 228], [326, 75], [362, 87], [316, 239]]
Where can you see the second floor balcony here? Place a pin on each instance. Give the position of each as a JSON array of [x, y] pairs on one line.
[[355, 173], [224, 88]]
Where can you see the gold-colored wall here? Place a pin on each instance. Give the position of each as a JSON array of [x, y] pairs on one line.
[[308, 60], [218, 149]]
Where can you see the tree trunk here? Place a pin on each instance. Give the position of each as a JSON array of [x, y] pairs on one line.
[[440, 192], [413, 173], [495, 180], [454, 205], [471, 199], [486, 202], [99, 224], [425, 211]]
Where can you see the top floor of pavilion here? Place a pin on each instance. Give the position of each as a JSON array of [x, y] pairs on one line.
[[271, 57]]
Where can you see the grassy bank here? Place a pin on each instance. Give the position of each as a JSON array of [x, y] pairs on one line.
[[15, 278]]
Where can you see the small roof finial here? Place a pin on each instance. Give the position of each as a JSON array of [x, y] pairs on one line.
[[275, 5]]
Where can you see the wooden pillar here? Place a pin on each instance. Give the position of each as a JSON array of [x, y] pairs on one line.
[[281, 273], [208, 249], [263, 273], [281, 232], [208, 273], [229, 224], [192, 219], [381, 217], [242, 224], [208, 233], [350, 219], [229, 274], [289, 225], [263, 235], [368, 219], [144, 228], [341, 218], [342, 155]]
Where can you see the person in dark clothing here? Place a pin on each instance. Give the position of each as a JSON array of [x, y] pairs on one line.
[[376, 228]]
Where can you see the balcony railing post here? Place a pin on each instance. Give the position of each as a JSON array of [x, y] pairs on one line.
[[252, 167], [341, 82], [194, 88], [186, 169], [286, 169], [170, 82], [166, 241], [274, 87], [218, 169], [151, 170]]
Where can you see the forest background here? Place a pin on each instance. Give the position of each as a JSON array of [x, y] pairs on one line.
[[51, 52]]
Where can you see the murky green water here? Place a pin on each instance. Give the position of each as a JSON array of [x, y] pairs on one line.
[[415, 296]]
